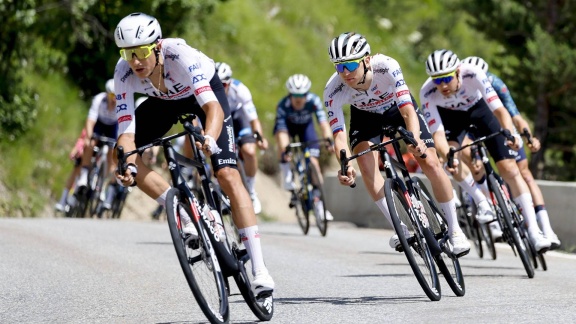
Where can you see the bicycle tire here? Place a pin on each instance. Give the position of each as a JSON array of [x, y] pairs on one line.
[[466, 214], [241, 170], [542, 260], [298, 199], [488, 239], [418, 251], [505, 209], [321, 221], [263, 305], [449, 265], [199, 265], [96, 182], [119, 202]]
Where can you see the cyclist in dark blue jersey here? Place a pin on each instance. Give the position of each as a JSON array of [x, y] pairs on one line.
[[520, 123], [294, 118]]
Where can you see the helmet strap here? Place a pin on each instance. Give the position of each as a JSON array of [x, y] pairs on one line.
[[364, 76]]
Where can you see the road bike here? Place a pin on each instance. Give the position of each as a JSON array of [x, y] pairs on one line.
[[215, 255], [420, 225], [308, 192], [507, 213]]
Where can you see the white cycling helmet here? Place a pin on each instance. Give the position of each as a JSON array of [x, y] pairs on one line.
[[224, 72], [110, 86], [298, 84], [477, 61], [441, 62], [137, 29], [347, 47]]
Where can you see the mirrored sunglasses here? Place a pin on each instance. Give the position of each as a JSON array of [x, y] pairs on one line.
[[141, 52], [351, 66], [446, 78]]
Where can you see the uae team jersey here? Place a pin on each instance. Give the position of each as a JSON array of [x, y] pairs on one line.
[[99, 110], [187, 72], [388, 89], [474, 86], [239, 97]]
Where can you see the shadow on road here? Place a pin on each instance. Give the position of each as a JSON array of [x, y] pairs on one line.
[[367, 300]]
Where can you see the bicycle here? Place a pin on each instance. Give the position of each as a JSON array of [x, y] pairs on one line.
[[411, 205], [215, 255], [308, 193], [507, 214], [118, 202]]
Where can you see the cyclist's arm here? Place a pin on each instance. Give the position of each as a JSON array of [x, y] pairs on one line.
[[127, 141], [214, 118], [89, 129], [504, 118], [441, 144]]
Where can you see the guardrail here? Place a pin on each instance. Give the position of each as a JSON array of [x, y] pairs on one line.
[[356, 206]]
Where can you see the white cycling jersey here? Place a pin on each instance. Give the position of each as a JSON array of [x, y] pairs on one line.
[[239, 97], [187, 72], [474, 85], [99, 110], [388, 89]]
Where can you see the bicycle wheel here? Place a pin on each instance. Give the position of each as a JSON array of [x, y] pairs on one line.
[[505, 210], [448, 264], [96, 183], [466, 213], [415, 247], [262, 305], [119, 202], [486, 234], [299, 197], [318, 202], [198, 262]]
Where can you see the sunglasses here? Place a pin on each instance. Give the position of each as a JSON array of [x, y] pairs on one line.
[[298, 95], [351, 66], [446, 78], [141, 52]]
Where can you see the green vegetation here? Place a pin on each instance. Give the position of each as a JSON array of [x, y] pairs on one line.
[[52, 73]]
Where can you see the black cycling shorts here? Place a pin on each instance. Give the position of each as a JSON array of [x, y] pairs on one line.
[[155, 117], [458, 123], [367, 126]]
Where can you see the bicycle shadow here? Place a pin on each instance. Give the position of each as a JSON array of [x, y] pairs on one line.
[[154, 243], [364, 300]]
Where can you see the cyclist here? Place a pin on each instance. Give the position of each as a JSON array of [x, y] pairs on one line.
[[374, 86], [294, 118], [76, 156], [101, 121], [457, 95], [246, 125], [179, 79], [520, 123]]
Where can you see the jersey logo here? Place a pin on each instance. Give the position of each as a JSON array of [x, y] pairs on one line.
[[124, 119], [202, 89]]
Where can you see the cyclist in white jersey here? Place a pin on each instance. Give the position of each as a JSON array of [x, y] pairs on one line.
[[374, 86], [246, 125], [520, 123], [101, 121], [454, 97], [179, 79]]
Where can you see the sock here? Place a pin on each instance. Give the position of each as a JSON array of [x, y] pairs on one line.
[[251, 239], [250, 183], [384, 208], [64, 196], [483, 185], [286, 173], [543, 219], [469, 186], [449, 209], [162, 199], [84, 173], [527, 209]]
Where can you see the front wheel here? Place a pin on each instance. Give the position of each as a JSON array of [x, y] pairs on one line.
[[318, 201], [414, 245], [262, 305], [504, 210], [198, 262], [448, 263]]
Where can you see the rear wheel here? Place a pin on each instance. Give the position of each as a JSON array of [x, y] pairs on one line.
[[414, 246], [299, 197], [466, 219], [448, 263], [512, 228], [319, 204], [488, 238], [198, 262]]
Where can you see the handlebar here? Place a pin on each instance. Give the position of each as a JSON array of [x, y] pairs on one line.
[[344, 165], [527, 135], [503, 131]]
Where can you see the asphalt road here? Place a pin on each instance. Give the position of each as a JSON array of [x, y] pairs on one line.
[[102, 271]]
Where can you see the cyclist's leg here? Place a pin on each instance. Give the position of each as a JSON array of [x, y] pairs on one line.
[[283, 139], [82, 180], [538, 198], [110, 132]]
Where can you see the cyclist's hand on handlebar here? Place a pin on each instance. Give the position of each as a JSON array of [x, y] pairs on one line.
[[210, 146], [263, 144], [535, 146], [349, 178], [329, 145], [516, 144], [129, 177], [419, 149]]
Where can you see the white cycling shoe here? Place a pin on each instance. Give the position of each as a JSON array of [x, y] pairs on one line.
[[395, 241], [262, 283], [540, 242], [495, 230], [554, 241], [484, 212], [59, 207], [460, 243]]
